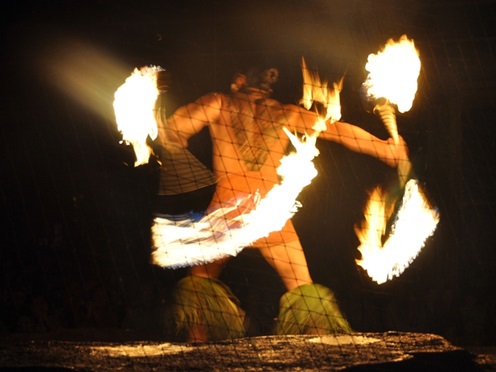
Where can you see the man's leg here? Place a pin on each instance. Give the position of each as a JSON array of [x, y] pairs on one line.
[[199, 332], [306, 308], [289, 261]]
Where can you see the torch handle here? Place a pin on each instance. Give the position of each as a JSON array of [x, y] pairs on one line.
[[404, 172], [387, 114]]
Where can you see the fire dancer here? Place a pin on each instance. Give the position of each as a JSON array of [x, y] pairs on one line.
[[248, 143]]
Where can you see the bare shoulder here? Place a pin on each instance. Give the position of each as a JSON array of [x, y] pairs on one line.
[[273, 103], [213, 100], [292, 107]]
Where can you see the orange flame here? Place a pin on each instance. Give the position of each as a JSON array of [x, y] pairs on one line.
[[133, 105], [315, 90], [393, 73], [416, 221], [392, 80]]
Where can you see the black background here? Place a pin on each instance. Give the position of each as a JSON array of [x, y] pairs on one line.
[[73, 213]]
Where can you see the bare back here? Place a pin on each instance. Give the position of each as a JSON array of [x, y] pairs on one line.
[[249, 141], [248, 137]]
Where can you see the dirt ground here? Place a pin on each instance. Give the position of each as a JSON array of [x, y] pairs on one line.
[[391, 351]]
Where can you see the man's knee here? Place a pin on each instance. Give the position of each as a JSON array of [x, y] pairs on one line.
[[210, 270]]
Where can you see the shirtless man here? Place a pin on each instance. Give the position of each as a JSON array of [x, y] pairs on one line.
[[246, 129]]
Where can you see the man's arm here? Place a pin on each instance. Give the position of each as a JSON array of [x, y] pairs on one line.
[[189, 120], [350, 136], [359, 140]]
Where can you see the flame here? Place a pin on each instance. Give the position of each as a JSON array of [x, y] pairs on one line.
[[392, 80], [393, 73], [133, 105], [415, 222], [187, 242], [315, 90]]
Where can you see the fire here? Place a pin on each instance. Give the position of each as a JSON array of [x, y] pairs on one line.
[[415, 222], [392, 80], [393, 73], [133, 105], [315, 90]]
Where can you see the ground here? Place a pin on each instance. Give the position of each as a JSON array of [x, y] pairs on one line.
[[390, 351]]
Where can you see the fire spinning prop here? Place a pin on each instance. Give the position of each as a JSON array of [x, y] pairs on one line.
[[183, 240], [133, 105], [392, 81]]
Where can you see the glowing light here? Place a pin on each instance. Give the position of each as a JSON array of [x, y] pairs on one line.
[[139, 350], [337, 340], [83, 72], [315, 90], [133, 105], [393, 73], [415, 222]]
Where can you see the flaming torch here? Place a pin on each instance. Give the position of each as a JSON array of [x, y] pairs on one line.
[[392, 82], [133, 106], [414, 223]]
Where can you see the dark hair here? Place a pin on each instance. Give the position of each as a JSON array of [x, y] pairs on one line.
[[255, 78]]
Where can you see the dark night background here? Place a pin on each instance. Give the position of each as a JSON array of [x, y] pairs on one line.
[[75, 219]]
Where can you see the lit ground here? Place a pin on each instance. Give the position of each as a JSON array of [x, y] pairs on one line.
[[391, 351]]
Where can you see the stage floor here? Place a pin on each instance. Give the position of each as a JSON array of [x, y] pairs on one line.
[[390, 351]]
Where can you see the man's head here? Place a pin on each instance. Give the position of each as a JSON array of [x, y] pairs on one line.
[[255, 80]]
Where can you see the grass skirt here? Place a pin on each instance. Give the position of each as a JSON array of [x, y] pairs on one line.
[[310, 309], [207, 303]]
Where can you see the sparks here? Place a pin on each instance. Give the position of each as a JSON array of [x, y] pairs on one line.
[[133, 105]]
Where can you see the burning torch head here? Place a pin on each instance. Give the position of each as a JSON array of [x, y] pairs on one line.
[[370, 102], [381, 107]]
